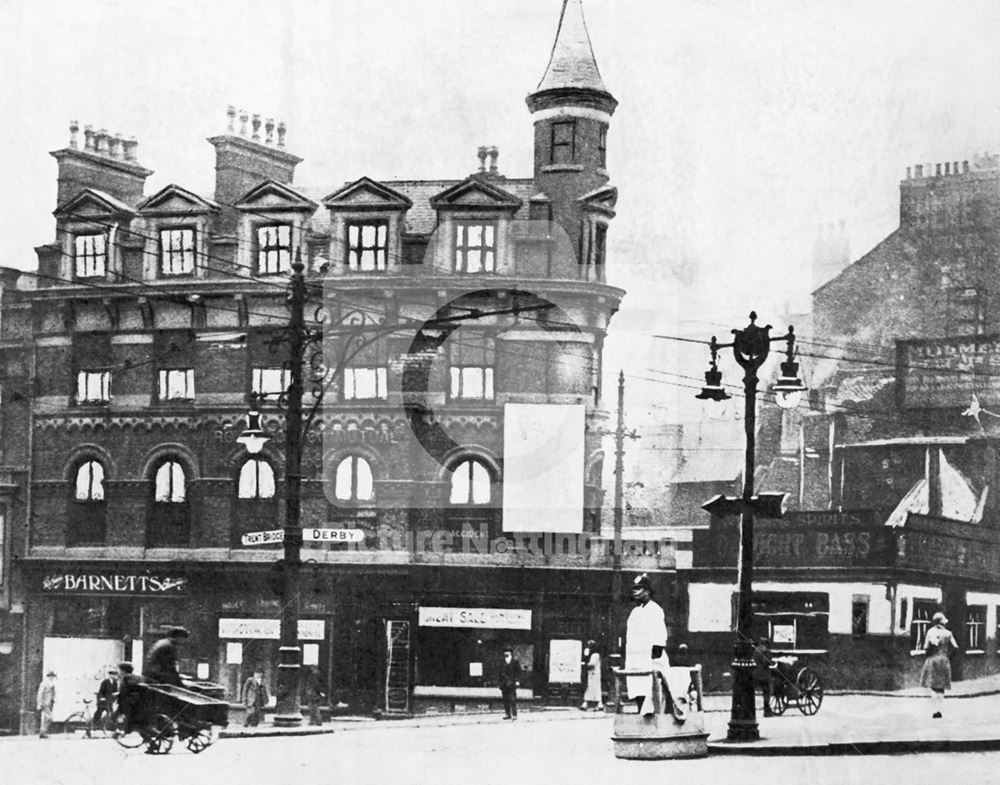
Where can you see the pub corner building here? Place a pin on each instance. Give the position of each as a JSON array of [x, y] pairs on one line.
[[128, 361]]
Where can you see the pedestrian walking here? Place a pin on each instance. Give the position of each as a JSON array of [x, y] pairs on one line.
[[105, 703], [593, 692], [315, 694], [939, 645], [510, 680], [44, 701], [255, 698]]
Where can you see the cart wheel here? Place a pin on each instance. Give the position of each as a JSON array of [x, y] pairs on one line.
[[810, 691], [76, 726], [200, 740], [779, 703], [159, 735], [130, 738]]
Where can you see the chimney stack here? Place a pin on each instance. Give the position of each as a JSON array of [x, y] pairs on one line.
[[106, 163], [243, 162]]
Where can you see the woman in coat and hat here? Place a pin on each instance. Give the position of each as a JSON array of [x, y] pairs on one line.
[[939, 645], [592, 673]]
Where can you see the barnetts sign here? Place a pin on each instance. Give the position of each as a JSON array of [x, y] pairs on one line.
[[113, 583]]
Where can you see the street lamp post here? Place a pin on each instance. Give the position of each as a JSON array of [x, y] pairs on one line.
[[288, 710], [750, 346]]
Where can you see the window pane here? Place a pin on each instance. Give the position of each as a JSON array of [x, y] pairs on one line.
[[248, 481], [353, 234], [342, 484], [265, 480], [179, 491], [488, 383], [460, 484], [456, 382], [382, 382], [472, 382], [382, 235], [488, 264], [367, 260], [480, 484], [472, 262], [163, 483], [365, 484], [488, 235], [368, 235]]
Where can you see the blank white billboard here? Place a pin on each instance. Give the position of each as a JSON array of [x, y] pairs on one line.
[[543, 467]]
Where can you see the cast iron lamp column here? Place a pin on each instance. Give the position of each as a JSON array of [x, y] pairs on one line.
[[751, 346], [288, 709]]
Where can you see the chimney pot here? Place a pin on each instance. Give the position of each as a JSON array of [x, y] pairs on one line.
[[269, 130], [482, 158], [244, 117], [102, 141], [947, 167], [255, 122], [116, 146], [231, 124], [129, 147], [918, 170], [937, 170], [281, 133], [965, 166], [494, 153], [74, 128], [908, 172]]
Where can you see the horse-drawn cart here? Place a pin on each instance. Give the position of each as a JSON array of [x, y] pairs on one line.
[[160, 713]]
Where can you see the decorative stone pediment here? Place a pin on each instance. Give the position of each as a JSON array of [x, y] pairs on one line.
[[602, 199], [274, 196], [91, 203], [174, 200], [367, 194], [476, 193]]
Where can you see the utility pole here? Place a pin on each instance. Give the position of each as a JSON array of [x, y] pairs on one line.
[[615, 616]]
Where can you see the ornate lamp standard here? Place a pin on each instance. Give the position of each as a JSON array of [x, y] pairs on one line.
[[750, 346]]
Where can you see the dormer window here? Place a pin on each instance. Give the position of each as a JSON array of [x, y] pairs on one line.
[[177, 251], [274, 249], [563, 147], [91, 255], [475, 246], [367, 245]]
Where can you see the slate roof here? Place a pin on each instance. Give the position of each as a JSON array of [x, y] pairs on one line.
[[421, 218], [572, 63]]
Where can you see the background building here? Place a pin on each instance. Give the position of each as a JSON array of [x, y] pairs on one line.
[[892, 469], [461, 434]]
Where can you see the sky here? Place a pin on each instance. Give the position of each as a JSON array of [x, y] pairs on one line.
[[743, 125]]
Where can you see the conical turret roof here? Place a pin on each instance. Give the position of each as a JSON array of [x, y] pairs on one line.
[[572, 63]]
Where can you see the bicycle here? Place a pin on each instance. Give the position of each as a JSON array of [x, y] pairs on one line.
[[80, 724]]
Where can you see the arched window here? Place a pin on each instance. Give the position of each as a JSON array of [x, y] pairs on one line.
[[353, 481], [90, 482], [170, 482], [256, 480], [471, 483]]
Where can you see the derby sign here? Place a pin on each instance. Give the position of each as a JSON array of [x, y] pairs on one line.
[[275, 536]]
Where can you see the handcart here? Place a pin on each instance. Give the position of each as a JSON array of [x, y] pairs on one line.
[[164, 712], [793, 684]]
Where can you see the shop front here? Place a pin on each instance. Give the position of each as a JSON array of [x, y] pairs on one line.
[[84, 620]]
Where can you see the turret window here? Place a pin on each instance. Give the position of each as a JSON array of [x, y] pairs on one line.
[[91, 255], [475, 247], [367, 245], [600, 243], [563, 142], [274, 249], [602, 147]]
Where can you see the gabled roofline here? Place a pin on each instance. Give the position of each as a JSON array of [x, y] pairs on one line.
[[303, 202], [395, 198], [107, 201], [504, 199], [148, 205]]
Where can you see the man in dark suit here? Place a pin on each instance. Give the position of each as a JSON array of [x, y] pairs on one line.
[[510, 680], [160, 666], [106, 696]]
